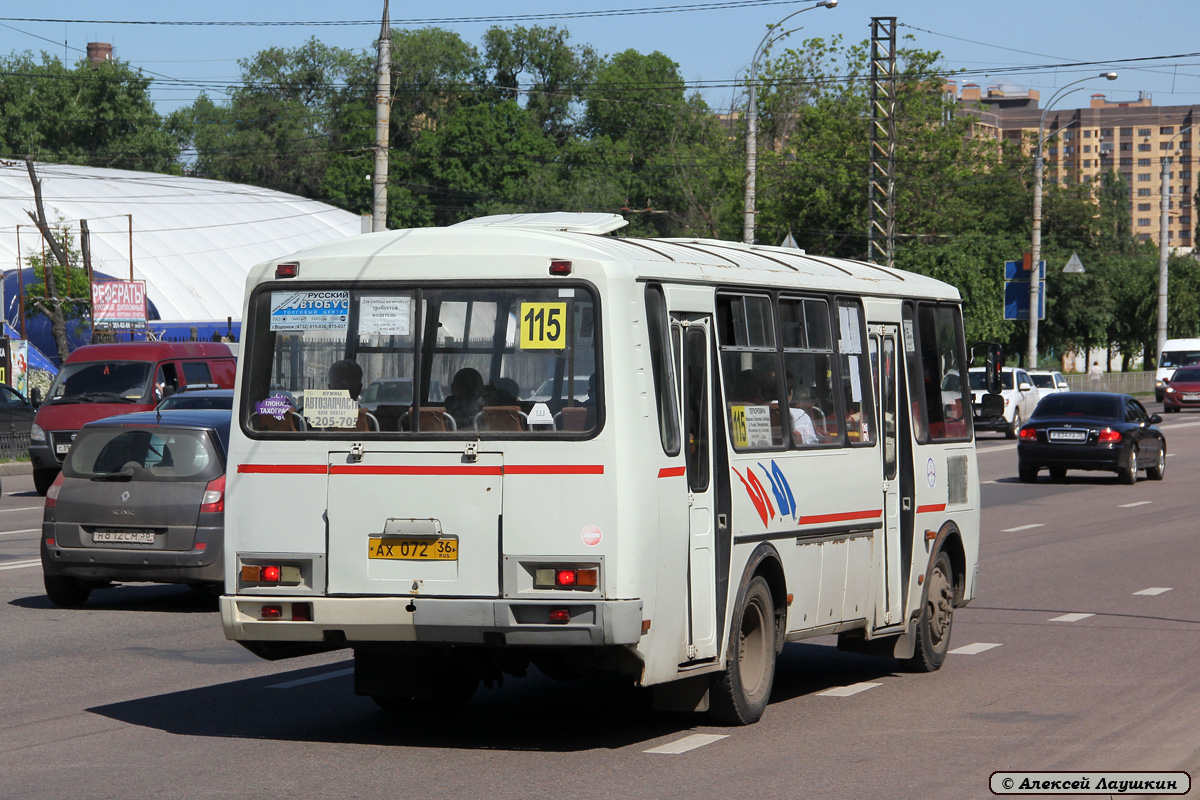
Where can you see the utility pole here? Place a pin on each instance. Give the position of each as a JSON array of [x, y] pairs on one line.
[[383, 107], [53, 307], [881, 182]]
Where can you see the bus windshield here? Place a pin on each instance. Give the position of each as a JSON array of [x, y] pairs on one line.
[[508, 360]]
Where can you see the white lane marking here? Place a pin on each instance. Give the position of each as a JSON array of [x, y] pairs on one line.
[[22, 508], [23, 530], [313, 678], [687, 743], [1070, 617], [979, 451], [974, 649], [1153, 590], [1138, 503], [37, 562], [1024, 527], [846, 691]]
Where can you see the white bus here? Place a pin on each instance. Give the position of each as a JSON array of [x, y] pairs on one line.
[[659, 458]]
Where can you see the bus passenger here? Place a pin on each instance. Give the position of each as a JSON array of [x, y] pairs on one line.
[[466, 397], [803, 430], [347, 374]]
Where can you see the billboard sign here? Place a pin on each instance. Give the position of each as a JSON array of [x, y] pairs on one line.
[[119, 304]]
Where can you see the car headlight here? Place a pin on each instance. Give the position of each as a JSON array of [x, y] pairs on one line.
[[36, 434], [1158, 384], [1170, 390]]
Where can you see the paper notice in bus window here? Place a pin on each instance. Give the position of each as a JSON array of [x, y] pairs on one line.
[[855, 380], [330, 408], [310, 311], [750, 425], [910, 340], [848, 319], [543, 326], [386, 316]]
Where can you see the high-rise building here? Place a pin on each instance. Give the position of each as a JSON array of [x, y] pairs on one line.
[[1082, 143]]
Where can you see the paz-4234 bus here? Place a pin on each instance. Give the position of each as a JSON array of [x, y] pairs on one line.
[[661, 458]]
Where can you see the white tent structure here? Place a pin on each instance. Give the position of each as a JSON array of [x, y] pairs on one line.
[[193, 240]]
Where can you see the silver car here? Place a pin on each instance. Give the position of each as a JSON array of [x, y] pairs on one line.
[[141, 497]]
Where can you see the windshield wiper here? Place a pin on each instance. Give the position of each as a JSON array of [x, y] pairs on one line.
[[69, 398], [124, 475], [109, 396]]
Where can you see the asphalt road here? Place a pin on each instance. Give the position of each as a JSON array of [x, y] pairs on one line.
[[1078, 654]]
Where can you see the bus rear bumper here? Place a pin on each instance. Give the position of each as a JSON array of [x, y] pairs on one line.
[[349, 620]]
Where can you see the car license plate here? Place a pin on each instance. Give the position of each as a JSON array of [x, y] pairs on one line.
[[1191, 397], [405, 549], [62, 449], [123, 537], [1068, 436]]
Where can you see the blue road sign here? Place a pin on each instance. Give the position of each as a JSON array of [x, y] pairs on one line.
[[1015, 270], [1016, 300]]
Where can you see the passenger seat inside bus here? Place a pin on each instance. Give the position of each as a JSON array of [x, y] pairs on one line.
[[501, 418]]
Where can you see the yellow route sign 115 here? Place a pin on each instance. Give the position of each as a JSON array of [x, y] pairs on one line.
[[543, 326]]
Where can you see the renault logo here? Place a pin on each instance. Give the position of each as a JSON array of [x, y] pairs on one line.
[[124, 497]]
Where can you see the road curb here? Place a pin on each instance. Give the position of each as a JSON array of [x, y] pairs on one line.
[[16, 468]]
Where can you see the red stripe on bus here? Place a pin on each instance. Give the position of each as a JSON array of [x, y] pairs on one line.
[[672, 472], [936, 507], [380, 470], [553, 469], [845, 516], [284, 469]]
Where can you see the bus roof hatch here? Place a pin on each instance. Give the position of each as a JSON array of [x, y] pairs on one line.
[[571, 222]]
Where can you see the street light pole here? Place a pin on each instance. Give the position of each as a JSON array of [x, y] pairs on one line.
[[752, 118], [1164, 199], [1035, 279]]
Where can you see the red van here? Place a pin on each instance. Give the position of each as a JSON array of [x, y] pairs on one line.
[[102, 380]]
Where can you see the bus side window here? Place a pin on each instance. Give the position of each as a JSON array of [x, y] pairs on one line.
[[857, 394], [661, 367]]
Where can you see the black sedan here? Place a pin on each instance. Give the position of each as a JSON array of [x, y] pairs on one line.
[[1093, 431]]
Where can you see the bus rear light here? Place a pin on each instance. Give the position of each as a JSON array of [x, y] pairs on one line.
[[566, 578], [1109, 435], [560, 268], [270, 574], [287, 270], [301, 612], [272, 612], [282, 574], [560, 615]]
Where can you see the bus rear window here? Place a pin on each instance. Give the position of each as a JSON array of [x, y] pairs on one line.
[[503, 360]]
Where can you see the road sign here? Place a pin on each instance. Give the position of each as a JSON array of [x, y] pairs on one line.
[[1016, 300], [1016, 271], [1074, 264]]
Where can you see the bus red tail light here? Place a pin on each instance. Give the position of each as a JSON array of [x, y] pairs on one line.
[[1109, 435], [566, 578], [213, 501], [560, 615], [1028, 434]]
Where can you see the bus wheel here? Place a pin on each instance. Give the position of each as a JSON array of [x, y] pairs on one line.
[[933, 629], [739, 695]]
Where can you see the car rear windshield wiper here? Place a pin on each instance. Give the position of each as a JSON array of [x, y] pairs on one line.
[[109, 396], [123, 475]]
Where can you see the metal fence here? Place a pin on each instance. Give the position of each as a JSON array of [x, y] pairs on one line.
[[14, 445], [1124, 382]]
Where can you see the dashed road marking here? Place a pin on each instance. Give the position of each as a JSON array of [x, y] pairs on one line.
[[973, 649], [22, 508], [1138, 503], [1153, 590], [687, 743], [1024, 527], [37, 562], [23, 530], [846, 691], [1070, 617], [313, 678]]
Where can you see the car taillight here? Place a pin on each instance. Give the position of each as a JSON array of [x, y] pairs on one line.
[[1109, 435], [214, 497], [1028, 434], [52, 492]]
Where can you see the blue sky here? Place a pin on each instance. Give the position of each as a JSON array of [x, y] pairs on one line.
[[1019, 43]]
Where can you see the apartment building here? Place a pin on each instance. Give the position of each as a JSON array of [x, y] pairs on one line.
[[1132, 137]]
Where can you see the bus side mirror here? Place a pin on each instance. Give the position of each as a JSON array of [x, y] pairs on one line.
[[991, 405], [995, 363]]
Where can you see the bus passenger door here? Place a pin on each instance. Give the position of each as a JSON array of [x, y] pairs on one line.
[[696, 372], [889, 607]]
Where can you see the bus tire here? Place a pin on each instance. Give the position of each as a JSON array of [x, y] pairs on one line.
[[739, 695], [937, 617], [66, 592]]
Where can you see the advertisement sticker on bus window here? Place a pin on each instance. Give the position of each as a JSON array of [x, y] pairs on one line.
[[543, 326], [751, 426], [277, 406], [330, 408], [310, 311], [386, 316]]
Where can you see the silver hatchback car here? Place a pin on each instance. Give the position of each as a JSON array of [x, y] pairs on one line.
[[141, 497]]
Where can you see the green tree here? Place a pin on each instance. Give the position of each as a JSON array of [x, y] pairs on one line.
[[98, 115], [71, 282]]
